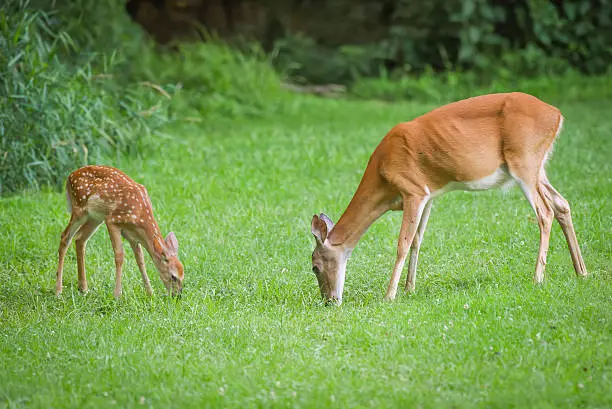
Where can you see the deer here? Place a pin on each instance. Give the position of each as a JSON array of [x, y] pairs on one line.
[[103, 194], [475, 144]]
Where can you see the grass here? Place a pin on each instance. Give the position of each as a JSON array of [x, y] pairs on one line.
[[250, 330]]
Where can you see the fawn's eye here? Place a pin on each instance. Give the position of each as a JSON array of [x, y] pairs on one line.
[[315, 269]]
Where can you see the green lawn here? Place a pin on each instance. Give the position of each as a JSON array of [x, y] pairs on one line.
[[250, 329]]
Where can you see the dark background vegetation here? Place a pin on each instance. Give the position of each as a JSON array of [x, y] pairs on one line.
[[85, 80], [341, 40]]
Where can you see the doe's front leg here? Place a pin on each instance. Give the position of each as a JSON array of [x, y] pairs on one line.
[[413, 209], [416, 245]]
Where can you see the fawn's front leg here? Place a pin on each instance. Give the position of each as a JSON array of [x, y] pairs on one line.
[[138, 254], [84, 233], [115, 236], [76, 221]]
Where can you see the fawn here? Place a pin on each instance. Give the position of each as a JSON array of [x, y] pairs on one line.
[[102, 194], [475, 144]]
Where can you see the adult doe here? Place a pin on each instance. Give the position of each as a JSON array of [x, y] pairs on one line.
[[475, 144]]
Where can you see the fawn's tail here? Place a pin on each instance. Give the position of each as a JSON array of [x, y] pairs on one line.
[[68, 195]]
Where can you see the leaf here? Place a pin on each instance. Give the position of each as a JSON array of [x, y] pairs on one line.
[[570, 9], [585, 7], [469, 6], [474, 33], [15, 59]]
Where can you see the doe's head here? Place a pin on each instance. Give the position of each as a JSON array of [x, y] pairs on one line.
[[170, 268], [328, 261]]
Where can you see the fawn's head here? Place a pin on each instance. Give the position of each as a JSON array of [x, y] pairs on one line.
[[328, 261], [170, 268]]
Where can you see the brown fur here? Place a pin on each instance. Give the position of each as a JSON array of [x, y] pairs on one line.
[[102, 194], [458, 143]]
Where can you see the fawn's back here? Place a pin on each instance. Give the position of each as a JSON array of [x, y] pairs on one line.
[[104, 192]]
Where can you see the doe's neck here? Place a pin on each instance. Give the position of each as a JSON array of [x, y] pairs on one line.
[[368, 203]]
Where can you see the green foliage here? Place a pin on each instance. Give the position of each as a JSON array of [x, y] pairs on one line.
[[449, 86], [579, 31], [56, 116], [97, 26], [81, 84], [302, 59], [528, 38], [214, 79]]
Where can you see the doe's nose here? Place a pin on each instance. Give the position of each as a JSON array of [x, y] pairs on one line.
[[333, 300]]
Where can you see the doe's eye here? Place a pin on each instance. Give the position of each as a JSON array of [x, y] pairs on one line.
[[315, 269]]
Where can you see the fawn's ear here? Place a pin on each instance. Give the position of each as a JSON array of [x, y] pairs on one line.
[[320, 227], [171, 244]]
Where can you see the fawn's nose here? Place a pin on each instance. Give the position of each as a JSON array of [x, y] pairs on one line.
[[177, 290]]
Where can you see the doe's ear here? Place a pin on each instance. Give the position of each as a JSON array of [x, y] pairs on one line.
[[328, 222], [321, 226], [318, 229], [171, 244]]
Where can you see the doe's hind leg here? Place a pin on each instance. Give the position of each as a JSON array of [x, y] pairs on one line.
[[533, 191], [563, 215], [545, 216]]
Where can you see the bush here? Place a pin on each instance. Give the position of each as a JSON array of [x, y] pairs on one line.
[[528, 38], [80, 83], [54, 116], [214, 79]]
